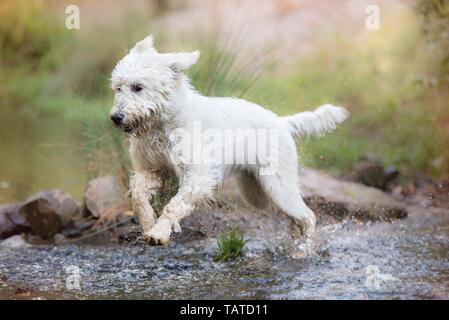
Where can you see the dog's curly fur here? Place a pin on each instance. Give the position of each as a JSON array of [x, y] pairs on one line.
[[154, 99]]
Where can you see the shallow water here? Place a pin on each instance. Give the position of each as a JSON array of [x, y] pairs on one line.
[[47, 153], [414, 252]]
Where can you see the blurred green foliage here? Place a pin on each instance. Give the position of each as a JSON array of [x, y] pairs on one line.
[[27, 32], [435, 25], [220, 72], [380, 77]]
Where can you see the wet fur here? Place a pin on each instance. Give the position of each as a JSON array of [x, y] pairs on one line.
[[166, 103]]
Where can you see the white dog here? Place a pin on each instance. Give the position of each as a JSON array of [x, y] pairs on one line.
[[165, 117]]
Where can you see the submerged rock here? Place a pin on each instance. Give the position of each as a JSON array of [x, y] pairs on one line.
[[11, 221], [105, 197], [49, 211]]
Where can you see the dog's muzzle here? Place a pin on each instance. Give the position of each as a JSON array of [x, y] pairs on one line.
[[117, 118]]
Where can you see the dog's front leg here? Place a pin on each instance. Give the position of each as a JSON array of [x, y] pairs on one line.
[[143, 186], [181, 205]]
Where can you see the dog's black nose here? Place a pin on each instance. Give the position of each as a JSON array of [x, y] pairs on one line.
[[117, 118]]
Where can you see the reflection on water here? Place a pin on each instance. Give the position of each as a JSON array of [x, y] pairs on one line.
[[38, 153]]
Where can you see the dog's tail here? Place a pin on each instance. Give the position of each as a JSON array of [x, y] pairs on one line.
[[317, 122]]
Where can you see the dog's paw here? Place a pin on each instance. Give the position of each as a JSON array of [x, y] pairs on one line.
[[160, 233], [307, 225]]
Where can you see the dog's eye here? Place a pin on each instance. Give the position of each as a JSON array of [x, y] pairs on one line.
[[118, 89], [136, 87]]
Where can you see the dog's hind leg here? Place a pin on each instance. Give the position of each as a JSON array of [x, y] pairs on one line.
[[283, 190], [143, 186]]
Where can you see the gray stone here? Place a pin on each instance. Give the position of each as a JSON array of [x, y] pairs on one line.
[[105, 196], [59, 239], [343, 199], [11, 221], [16, 241], [49, 211]]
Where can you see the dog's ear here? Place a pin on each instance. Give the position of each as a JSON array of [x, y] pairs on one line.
[[180, 62], [144, 45]]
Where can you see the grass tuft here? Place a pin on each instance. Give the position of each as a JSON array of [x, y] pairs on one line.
[[230, 245]]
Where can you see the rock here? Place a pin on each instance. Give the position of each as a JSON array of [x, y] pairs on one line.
[[59, 239], [105, 197], [11, 221], [342, 199], [36, 240], [331, 199], [371, 172], [77, 227], [23, 292], [83, 224], [17, 241], [49, 211]]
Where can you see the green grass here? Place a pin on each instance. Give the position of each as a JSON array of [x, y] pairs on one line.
[[230, 245]]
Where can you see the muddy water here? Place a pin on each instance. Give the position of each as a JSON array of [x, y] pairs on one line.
[[39, 153], [410, 259]]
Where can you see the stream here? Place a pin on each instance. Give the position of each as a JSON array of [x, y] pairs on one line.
[[408, 259], [402, 260]]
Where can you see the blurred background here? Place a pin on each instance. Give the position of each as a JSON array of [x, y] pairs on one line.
[[287, 55]]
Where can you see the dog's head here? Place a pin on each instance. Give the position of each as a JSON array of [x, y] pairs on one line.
[[144, 81]]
